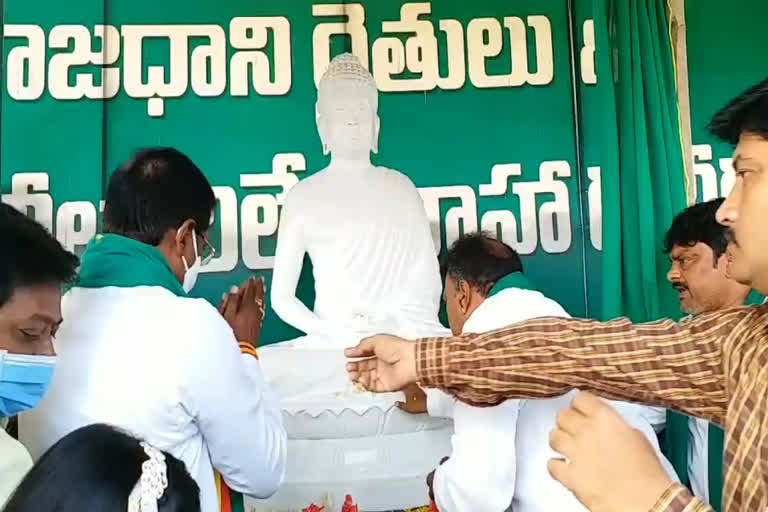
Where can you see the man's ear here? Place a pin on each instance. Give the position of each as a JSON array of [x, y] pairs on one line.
[[183, 236], [464, 295], [722, 264], [322, 130]]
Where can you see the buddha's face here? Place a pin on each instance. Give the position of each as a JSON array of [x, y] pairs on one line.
[[347, 121]]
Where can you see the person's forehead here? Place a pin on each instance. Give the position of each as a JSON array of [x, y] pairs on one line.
[[751, 147], [697, 248], [40, 302]]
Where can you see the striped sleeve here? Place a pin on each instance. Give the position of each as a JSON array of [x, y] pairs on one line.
[[676, 365], [678, 499]]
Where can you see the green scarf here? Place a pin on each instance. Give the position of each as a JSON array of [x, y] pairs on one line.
[[114, 260], [513, 280]]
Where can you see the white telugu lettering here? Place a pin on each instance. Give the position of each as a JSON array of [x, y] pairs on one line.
[[587, 54], [260, 211], [27, 85], [354, 26], [457, 69], [458, 219], [227, 252], [60, 63], [705, 171], [209, 62], [555, 215], [252, 54], [728, 178], [75, 224], [418, 55], [29, 194], [479, 51], [595, 201], [553, 219]]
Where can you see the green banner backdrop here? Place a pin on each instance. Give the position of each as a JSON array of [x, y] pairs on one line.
[[476, 103], [476, 106]]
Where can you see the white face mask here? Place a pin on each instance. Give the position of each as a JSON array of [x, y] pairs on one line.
[[191, 273]]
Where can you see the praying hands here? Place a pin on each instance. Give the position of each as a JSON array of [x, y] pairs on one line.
[[243, 309]]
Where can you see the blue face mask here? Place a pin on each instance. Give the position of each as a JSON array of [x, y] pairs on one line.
[[24, 379]]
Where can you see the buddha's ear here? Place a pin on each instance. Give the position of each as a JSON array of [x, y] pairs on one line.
[[322, 130], [375, 137]]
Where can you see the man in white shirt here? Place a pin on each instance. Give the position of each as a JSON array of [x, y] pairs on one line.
[[698, 270], [500, 453], [139, 354], [33, 266]]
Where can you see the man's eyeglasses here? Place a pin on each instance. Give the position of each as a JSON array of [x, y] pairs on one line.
[[208, 252]]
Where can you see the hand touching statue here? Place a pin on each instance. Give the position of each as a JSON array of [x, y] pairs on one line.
[[415, 400], [611, 467], [243, 309], [390, 363]]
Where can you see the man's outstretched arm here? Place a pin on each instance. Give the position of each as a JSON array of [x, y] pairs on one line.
[[680, 366]]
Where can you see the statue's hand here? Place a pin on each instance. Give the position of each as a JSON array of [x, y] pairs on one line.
[[243, 309]]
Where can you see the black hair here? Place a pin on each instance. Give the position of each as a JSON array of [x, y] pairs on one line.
[[94, 469], [30, 256], [696, 224], [480, 260], [157, 190], [748, 112]]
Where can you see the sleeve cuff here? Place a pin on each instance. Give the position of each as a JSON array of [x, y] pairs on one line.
[[439, 403], [432, 362], [678, 499], [248, 348]]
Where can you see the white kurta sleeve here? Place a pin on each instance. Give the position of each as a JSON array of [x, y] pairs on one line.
[[479, 476], [289, 258], [439, 403], [235, 409], [15, 462]]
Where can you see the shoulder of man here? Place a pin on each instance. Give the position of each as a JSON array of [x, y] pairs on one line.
[[198, 321], [15, 462], [534, 303]]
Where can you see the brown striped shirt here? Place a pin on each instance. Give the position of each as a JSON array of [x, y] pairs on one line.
[[712, 366]]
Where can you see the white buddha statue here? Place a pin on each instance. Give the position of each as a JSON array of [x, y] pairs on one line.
[[375, 268], [364, 227]]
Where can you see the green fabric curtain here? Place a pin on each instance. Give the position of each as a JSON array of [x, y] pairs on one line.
[[643, 179]]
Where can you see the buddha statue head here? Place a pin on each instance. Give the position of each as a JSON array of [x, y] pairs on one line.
[[347, 104]]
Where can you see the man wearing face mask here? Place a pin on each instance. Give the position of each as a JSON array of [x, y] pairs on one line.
[[33, 266], [139, 354]]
